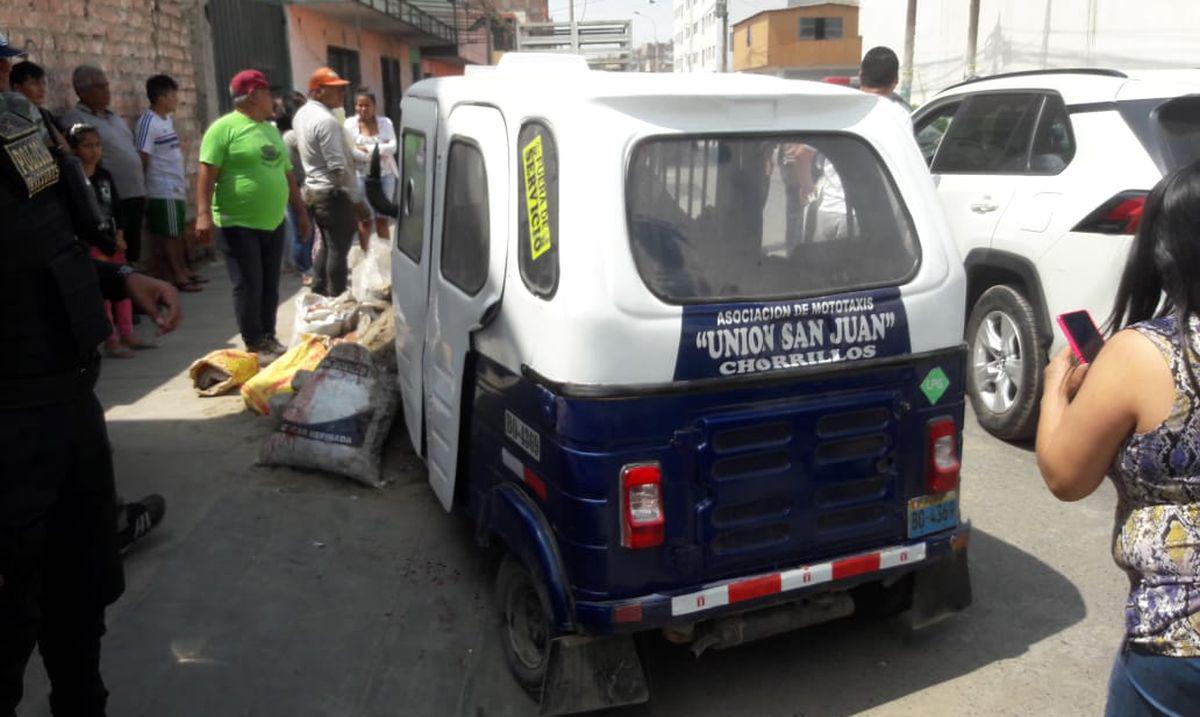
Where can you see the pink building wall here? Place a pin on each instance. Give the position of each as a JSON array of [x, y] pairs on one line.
[[310, 34]]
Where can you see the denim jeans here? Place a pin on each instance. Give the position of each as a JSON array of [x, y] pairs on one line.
[[299, 248], [335, 215], [1144, 685], [252, 258]]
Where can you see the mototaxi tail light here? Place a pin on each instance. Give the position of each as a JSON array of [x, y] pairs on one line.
[[941, 473], [641, 506], [1121, 214]]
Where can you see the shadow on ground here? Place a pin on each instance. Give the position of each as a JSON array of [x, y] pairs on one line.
[[276, 592]]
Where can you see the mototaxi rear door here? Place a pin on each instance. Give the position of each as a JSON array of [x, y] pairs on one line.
[[412, 254], [467, 276]]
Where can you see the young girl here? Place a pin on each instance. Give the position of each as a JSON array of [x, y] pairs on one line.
[[85, 143]]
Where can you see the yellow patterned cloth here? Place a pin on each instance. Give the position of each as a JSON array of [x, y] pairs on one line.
[[1157, 541]]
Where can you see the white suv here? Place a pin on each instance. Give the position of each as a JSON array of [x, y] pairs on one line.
[[1042, 176]]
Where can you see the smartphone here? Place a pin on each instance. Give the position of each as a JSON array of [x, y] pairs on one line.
[[1083, 336]]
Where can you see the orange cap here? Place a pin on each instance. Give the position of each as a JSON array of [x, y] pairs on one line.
[[325, 77]]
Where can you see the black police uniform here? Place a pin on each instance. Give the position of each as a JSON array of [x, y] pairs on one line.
[[59, 566]]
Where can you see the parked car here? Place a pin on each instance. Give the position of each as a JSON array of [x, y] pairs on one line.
[[681, 391], [1043, 176]]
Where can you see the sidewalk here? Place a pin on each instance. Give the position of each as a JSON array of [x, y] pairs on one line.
[[276, 592]]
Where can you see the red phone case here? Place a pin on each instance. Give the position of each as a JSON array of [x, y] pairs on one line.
[[1071, 339]]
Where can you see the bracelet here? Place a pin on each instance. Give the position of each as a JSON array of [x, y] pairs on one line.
[[125, 271]]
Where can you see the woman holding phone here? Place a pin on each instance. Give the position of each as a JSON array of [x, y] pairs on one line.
[[1134, 415]]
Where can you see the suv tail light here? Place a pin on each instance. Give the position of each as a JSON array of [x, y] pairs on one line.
[[641, 505], [941, 475], [1119, 215]]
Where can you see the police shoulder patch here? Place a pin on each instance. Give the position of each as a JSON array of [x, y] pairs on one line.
[[13, 125]]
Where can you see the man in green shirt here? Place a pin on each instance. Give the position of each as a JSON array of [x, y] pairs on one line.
[[244, 186]]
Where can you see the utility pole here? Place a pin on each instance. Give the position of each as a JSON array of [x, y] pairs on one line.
[[654, 28], [906, 68], [973, 36], [722, 11], [574, 29]]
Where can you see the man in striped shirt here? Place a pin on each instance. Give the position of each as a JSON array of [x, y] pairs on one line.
[[162, 160]]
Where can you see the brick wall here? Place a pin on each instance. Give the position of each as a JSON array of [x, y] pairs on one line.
[[129, 39]]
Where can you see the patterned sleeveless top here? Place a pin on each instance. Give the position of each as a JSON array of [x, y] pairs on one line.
[[1157, 537]]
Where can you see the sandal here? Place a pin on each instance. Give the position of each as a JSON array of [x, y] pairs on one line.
[[118, 350]]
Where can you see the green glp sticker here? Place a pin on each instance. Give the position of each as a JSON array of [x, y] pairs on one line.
[[935, 384]]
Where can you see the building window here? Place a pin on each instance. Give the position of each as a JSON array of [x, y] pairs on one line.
[[748, 36], [345, 63], [820, 28]]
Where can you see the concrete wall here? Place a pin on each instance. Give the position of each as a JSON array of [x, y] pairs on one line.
[[775, 40], [1036, 34], [310, 34], [130, 39]]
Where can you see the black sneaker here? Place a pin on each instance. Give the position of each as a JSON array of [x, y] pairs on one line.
[[139, 519], [272, 344]]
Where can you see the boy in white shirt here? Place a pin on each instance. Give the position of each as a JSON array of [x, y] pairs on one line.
[[166, 210]]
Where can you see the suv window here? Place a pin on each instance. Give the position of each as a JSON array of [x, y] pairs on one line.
[[465, 236], [1053, 142], [411, 232], [1179, 122], [537, 209], [990, 134], [752, 217], [932, 129]]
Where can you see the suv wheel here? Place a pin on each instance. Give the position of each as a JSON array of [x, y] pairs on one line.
[[1004, 378], [526, 627]]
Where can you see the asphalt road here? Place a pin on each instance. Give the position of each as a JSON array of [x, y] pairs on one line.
[[275, 592]]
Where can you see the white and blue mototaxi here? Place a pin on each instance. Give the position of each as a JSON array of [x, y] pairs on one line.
[[688, 347]]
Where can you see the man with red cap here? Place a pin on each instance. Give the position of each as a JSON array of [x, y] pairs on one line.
[[244, 186], [330, 184]]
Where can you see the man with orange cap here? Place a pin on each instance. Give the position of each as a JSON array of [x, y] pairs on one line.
[[330, 185]]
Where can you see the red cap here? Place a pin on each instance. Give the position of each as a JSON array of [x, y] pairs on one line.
[[325, 77], [247, 81]]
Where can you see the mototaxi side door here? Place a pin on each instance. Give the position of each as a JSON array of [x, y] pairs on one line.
[[470, 236], [412, 254]]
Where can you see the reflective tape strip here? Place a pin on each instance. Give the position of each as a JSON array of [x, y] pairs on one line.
[[512, 463], [807, 576]]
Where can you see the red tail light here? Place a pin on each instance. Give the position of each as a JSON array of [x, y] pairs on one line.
[[1119, 215], [941, 475], [641, 505]]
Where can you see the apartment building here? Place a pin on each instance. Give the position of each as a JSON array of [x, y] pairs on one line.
[[803, 41], [696, 34]]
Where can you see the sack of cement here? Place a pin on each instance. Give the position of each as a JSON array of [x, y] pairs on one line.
[[371, 278], [378, 335], [222, 371], [323, 315], [339, 418]]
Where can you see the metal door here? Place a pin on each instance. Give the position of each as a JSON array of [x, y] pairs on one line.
[[467, 274], [249, 34], [411, 255]]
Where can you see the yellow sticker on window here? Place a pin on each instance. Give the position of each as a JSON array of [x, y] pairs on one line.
[[536, 203]]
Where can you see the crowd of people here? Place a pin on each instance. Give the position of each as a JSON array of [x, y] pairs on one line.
[[280, 177]]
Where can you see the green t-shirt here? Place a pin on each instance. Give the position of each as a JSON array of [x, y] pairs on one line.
[[252, 188]]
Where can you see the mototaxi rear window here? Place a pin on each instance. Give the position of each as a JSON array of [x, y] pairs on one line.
[[723, 218]]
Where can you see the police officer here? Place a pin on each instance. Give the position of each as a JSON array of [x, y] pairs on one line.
[[59, 566]]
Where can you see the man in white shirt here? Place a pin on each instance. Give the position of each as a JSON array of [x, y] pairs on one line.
[[330, 184], [166, 209]]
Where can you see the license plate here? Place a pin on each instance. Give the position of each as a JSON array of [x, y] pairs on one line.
[[932, 513]]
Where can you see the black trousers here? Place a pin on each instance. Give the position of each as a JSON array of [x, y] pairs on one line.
[[59, 566], [131, 215], [252, 258], [334, 213]]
